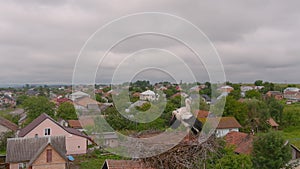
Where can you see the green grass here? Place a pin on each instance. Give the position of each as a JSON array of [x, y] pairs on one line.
[[291, 129], [293, 135], [94, 160]]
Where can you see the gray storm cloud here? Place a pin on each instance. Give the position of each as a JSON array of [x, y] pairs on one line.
[[40, 40]]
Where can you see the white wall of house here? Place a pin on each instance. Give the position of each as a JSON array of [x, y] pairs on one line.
[[148, 95], [224, 132]]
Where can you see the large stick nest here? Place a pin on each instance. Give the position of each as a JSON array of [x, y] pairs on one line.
[[187, 154]]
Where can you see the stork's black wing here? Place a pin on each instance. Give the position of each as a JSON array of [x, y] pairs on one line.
[[174, 123], [196, 125]]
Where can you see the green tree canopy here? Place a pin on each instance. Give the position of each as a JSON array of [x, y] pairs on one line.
[[258, 83], [275, 109], [258, 113], [231, 160], [67, 111], [35, 106], [21, 99], [235, 108], [253, 94], [270, 150]]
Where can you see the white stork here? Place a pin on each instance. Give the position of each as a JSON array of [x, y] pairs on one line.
[[183, 115]]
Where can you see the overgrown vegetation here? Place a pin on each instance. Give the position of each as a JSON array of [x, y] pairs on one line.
[[93, 160]]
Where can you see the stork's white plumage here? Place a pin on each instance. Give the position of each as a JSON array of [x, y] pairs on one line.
[[184, 116]]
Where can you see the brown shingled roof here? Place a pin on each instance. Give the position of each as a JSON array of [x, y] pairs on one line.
[[75, 124], [85, 101], [243, 142], [124, 164], [8, 124], [228, 122], [222, 122], [86, 121]]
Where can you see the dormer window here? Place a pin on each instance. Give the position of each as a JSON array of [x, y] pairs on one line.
[[47, 132]]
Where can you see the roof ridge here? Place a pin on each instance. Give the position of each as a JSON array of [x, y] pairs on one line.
[[42, 118]]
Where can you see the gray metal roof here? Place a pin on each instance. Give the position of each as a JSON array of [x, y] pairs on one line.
[[28, 149]]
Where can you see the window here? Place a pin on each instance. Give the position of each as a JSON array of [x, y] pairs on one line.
[[49, 155], [36, 135], [47, 132], [22, 165]]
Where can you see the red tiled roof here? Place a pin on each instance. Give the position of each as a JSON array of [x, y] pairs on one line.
[[124, 164], [202, 113], [8, 124], [243, 142], [272, 122], [291, 92], [75, 124], [62, 100], [136, 94]]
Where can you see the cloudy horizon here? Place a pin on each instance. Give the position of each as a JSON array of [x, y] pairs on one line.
[[40, 41]]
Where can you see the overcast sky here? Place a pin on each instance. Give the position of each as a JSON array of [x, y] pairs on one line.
[[40, 40]]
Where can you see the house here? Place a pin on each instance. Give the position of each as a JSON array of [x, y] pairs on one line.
[[148, 95], [223, 125], [44, 125], [136, 94], [79, 94], [86, 103], [107, 139], [292, 95], [32, 92], [276, 94], [227, 124], [226, 89], [7, 101], [259, 87], [58, 101], [75, 124], [110, 139], [291, 89], [37, 153], [105, 106], [87, 121], [273, 123], [122, 164], [242, 142], [7, 126], [246, 88], [295, 152]]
